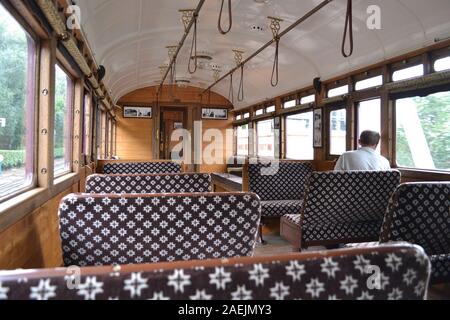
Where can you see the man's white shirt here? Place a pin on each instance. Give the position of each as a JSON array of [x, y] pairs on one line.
[[364, 159]]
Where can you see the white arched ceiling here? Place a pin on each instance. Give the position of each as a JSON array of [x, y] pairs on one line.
[[130, 37]]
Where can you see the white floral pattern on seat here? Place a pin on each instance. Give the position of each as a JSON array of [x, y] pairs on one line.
[[342, 207], [112, 229], [419, 213], [328, 275], [141, 168], [148, 184]]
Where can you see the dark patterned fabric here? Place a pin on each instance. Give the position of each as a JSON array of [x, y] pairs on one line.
[[419, 213], [141, 168], [344, 274], [147, 184], [279, 180], [345, 206], [127, 229], [279, 208]]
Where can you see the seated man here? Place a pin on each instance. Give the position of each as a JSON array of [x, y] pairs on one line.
[[366, 158]]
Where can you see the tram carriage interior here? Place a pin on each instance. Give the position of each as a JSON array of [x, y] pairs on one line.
[[197, 150]]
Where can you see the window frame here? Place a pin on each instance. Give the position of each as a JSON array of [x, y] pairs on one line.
[[256, 146], [328, 111], [35, 92], [356, 126], [237, 139]]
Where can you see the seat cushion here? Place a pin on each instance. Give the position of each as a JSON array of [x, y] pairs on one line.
[[440, 269], [279, 208]]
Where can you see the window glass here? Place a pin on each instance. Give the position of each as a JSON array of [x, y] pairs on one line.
[[290, 104], [369, 117], [270, 109], [299, 136], [259, 112], [17, 106], [63, 122], [423, 134], [442, 64], [246, 115], [339, 91], [239, 117], [266, 138], [308, 99], [408, 73], [242, 140], [338, 132], [369, 83]]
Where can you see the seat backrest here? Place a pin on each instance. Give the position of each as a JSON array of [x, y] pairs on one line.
[[279, 180], [154, 183], [350, 274], [141, 168], [131, 229], [420, 213], [348, 197]]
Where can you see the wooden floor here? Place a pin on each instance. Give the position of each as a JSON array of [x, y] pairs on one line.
[[277, 245]]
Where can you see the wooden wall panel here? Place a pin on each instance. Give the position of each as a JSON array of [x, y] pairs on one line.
[[134, 138], [34, 241]]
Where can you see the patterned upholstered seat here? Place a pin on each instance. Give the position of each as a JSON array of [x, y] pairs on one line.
[[280, 185], [419, 213], [133, 229], [141, 168], [341, 207], [155, 183], [339, 274]]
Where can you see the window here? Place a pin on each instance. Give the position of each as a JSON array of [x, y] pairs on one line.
[[17, 106], [308, 99], [247, 115], [299, 136], [87, 125], [339, 91], [408, 73], [270, 109], [338, 132], [369, 83], [239, 117], [290, 104], [423, 135], [63, 122], [266, 138], [242, 140], [259, 112], [442, 64], [102, 138], [369, 117]]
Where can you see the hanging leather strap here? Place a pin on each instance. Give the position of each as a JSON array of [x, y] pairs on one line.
[[231, 91], [193, 54], [275, 71], [230, 14], [348, 30], [241, 86]]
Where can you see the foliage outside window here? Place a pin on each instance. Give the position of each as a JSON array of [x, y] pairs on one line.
[[423, 132], [17, 106], [63, 122], [299, 136]]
